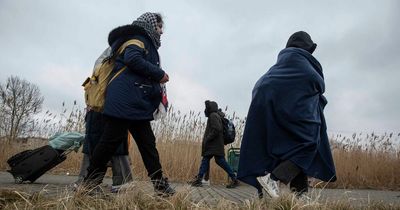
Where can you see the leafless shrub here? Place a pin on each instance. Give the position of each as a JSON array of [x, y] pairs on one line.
[[19, 101]]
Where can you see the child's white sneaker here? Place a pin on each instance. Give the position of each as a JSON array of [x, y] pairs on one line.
[[205, 182]]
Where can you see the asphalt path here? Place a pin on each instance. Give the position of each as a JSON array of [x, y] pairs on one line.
[[53, 184]]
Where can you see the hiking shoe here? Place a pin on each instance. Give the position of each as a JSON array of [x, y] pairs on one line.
[[196, 182], [270, 186], [162, 187], [234, 183], [122, 187]]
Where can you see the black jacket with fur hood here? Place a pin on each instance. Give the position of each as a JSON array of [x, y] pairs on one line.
[[135, 93]]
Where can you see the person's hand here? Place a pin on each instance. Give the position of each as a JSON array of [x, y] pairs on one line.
[[165, 78]]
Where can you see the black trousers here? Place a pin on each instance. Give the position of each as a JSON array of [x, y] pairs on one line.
[[115, 131], [288, 172], [94, 125]]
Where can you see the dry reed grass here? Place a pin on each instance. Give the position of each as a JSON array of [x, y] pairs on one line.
[[136, 198], [367, 161], [366, 169], [362, 160]]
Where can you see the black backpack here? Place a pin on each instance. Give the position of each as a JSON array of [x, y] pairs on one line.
[[229, 132]]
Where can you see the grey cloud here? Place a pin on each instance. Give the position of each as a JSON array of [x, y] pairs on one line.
[[221, 46]]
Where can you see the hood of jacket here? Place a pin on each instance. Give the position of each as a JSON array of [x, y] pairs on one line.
[[122, 33], [301, 40], [211, 106], [221, 113]]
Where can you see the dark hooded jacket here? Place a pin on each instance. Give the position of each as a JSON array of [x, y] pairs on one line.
[[213, 140], [136, 93], [285, 119]]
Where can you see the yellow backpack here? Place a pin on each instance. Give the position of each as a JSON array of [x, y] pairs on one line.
[[96, 85]]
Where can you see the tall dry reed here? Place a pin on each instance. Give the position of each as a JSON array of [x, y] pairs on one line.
[[362, 160], [137, 198], [367, 161]]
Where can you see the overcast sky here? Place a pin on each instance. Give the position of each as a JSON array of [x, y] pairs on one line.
[[216, 50]]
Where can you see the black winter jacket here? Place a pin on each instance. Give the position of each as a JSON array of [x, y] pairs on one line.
[[136, 93], [213, 140]]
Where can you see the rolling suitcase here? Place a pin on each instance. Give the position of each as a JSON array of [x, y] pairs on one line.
[[29, 165]]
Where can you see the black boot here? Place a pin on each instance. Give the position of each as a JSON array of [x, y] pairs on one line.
[[234, 183], [162, 187], [196, 182]]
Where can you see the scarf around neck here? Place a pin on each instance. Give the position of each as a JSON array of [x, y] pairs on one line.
[[148, 21]]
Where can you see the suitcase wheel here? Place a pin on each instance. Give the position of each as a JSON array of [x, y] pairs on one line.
[[18, 180]]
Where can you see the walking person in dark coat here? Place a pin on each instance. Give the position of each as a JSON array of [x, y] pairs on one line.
[[213, 145], [94, 126], [132, 98], [120, 164], [285, 136]]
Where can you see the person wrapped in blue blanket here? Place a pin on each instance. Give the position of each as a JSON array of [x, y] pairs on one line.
[[285, 137]]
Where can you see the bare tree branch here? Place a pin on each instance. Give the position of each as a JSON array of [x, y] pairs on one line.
[[19, 101]]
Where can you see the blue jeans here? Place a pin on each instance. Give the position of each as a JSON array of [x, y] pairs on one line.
[[220, 160]]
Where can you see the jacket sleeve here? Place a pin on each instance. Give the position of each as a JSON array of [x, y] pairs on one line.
[[134, 59], [215, 125]]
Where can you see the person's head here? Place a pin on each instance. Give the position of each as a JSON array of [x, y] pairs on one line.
[[211, 106], [154, 19], [160, 24], [301, 40]]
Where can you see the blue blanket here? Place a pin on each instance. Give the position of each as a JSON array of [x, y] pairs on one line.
[[286, 121]]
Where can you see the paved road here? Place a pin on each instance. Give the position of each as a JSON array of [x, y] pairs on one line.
[[54, 184]]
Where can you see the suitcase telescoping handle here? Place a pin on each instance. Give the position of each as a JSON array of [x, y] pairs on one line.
[[66, 152]]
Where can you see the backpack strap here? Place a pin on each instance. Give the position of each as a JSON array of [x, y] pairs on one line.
[[116, 74], [136, 42], [122, 48]]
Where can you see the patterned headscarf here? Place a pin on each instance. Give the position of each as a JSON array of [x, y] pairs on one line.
[[148, 21]]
